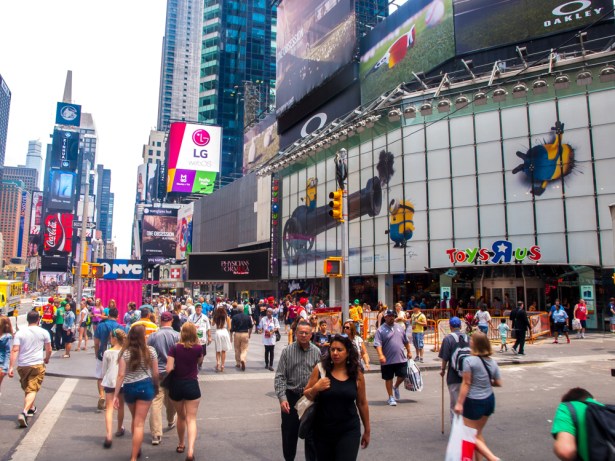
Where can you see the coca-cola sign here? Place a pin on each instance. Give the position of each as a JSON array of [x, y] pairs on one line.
[[58, 233]]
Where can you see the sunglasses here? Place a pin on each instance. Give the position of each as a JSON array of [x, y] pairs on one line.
[[346, 327]]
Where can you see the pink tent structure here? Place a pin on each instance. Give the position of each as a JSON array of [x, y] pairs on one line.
[[123, 291]]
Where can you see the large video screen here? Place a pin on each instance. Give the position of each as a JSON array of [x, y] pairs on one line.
[[229, 267], [58, 233], [194, 158], [260, 143], [159, 225], [416, 38], [36, 213], [315, 38], [62, 190], [65, 150], [481, 24]]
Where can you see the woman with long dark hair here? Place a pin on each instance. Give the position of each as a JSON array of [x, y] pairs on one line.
[[222, 339], [184, 358], [359, 344], [138, 373], [6, 342], [337, 428]]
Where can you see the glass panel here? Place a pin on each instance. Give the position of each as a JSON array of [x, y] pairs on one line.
[[438, 248], [353, 160], [416, 256], [414, 167], [520, 218], [437, 136], [583, 248], [395, 149], [464, 191], [514, 122], [542, 117], [575, 110], [604, 176], [439, 194], [440, 224], [581, 214], [487, 127], [462, 131], [489, 157], [463, 161], [492, 221], [601, 107], [552, 248], [438, 164], [466, 222], [490, 188], [414, 140], [603, 141], [549, 216], [382, 259]]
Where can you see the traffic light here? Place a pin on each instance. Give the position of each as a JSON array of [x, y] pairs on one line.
[[96, 270], [85, 270], [613, 277], [333, 267], [336, 205]]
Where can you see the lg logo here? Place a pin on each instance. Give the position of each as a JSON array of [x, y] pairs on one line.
[[201, 137]]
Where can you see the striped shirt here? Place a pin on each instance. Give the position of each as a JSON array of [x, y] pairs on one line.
[[295, 368], [142, 372]]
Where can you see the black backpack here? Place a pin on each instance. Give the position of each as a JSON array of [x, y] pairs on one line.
[[600, 428], [460, 352]]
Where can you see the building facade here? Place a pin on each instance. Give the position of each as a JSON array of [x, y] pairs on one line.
[[34, 159], [28, 175], [15, 203], [104, 202], [5, 107]]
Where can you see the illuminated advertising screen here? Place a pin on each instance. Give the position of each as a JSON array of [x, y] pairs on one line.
[[260, 143], [147, 183], [481, 24], [183, 233], [229, 267], [65, 150], [418, 37], [194, 158], [159, 225], [62, 190], [68, 114], [315, 38], [36, 213], [58, 233]]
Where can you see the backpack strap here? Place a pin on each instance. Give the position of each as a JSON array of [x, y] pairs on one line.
[[486, 368], [573, 415]]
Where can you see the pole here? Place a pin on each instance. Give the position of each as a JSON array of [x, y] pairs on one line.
[[342, 163], [84, 226], [442, 404]]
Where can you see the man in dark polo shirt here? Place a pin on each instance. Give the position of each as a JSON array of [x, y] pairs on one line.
[[241, 329]]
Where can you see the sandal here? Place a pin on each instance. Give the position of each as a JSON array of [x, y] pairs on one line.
[[66, 356], [120, 432], [107, 443], [180, 448]]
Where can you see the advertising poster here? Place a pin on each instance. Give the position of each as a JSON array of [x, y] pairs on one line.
[[260, 143], [194, 158], [141, 182], [62, 190], [481, 24], [229, 267], [416, 38], [58, 233], [68, 114], [183, 234], [159, 225], [151, 189], [22, 222], [36, 213], [65, 150], [315, 38]]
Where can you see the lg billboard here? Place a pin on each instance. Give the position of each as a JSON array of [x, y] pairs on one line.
[[194, 158]]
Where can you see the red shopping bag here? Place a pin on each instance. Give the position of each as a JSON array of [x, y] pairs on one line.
[[461, 442]]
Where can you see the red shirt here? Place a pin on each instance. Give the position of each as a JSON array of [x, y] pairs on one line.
[[48, 313], [581, 313]]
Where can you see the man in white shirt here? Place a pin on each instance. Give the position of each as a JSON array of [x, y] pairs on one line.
[[203, 326], [31, 351]]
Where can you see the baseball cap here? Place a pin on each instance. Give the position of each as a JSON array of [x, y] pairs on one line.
[[454, 322], [390, 312], [166, 317], [356, 301], [50, 300], [149, 307]]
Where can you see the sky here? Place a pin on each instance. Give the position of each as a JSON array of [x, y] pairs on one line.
[[113, 48]]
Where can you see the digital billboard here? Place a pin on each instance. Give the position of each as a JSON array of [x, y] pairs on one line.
[[65, 150], [58, 233], [36, 213], [62, 190], [68, 114], [315, 38], [418, 37], [481, 24], [194, 158], [183, 233], [260, 143], [159, 225], [147, 183], [229, 267]]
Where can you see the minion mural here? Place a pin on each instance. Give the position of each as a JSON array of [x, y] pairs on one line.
[[547, 162], [401, 226], [310, 193]]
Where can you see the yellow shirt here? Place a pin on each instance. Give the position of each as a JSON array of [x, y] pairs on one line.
[[355, 313], [150, 327], [416, 327]]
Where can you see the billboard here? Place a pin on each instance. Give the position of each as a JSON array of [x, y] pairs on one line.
[[315, 38], [481, 24], [418, 37], [65, 150], [36, 213], [158, 237], [147, 183], [22, 222], [61, 193], [114, 269], [194, 158], [321, 117], [68, 114], [58, 233], [229, 267], [260, 143], [183, 233]]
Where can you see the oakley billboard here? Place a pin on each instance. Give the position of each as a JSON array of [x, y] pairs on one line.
[[194, 158]]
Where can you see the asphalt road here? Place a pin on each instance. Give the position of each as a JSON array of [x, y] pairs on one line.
[[239, 416]]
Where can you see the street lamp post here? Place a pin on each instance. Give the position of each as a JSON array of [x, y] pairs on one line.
[[84, 226], [341, 163]]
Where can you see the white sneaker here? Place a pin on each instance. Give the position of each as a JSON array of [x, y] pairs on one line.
[[396, 393], [392, 402], [583, 336]]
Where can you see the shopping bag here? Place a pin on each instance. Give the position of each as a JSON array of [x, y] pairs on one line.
[[461, 442], [576, 324], [413, 380]]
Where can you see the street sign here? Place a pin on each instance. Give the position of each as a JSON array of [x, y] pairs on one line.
[[89, 225]]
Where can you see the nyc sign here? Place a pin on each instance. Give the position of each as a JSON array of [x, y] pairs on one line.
[[122, 269]]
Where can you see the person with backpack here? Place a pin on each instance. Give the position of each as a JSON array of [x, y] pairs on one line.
[[455, 343], [578, 434], [132, 315]]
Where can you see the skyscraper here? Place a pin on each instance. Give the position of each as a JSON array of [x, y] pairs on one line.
[[181, 60], [104, 204], [34, 159], [29, 176], [5, 106], [15, 203]]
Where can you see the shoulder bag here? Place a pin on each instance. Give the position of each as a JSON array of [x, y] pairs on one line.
[[307, 410]]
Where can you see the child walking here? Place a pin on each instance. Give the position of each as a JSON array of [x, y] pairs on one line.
[[110, 369], [504, 329]]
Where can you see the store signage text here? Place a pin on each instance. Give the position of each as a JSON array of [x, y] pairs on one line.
[[573, 11], [236, 267], [501, 251]]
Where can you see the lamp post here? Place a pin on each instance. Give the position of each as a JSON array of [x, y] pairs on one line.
[[84, 226], [341, 166]]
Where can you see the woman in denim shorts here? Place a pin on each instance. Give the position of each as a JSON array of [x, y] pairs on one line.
[[138, 375]]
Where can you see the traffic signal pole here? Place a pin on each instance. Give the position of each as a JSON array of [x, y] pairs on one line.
[[82, 251], [341, 162]]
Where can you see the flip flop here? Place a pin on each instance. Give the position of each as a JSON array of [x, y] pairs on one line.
[[180, 448]]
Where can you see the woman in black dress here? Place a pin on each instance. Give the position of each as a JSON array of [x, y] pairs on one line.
[[337, 429]]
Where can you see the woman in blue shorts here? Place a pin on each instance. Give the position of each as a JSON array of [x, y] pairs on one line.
[[138, 375], [476, 400]]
